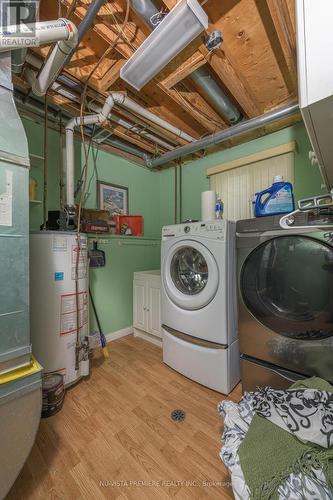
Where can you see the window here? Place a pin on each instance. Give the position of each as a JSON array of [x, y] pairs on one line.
[[237, 181]]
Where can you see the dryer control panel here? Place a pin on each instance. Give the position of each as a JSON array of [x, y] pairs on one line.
[[214, 230]]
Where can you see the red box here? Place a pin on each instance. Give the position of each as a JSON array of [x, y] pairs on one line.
[[134, 222]]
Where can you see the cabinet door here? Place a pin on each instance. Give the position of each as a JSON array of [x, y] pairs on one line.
[[139, 305], [154, 309]]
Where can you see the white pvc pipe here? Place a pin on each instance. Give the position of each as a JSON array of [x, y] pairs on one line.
[[54, 62], [123, 100], [36, 34], [127, 103], [70, 188], [102, 116], [142, 132], [75, 122], [134, 128]]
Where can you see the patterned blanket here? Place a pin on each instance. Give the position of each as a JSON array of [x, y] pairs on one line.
[[305, 413]]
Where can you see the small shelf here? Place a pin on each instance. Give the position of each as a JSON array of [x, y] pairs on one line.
[[35, 202], [103, 236]]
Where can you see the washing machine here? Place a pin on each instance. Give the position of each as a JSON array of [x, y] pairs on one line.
[[285, 293], [199, 306]]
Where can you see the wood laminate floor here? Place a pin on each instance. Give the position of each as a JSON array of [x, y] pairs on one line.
[[114, 438]]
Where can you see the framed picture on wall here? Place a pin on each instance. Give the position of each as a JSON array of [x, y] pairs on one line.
[[112, 198]]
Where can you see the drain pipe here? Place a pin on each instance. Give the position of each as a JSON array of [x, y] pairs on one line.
[[54, 63], [65, 80], [134, 128], [101, 117], [229, 133], [67, 50], [97, 118], [62, 31], [147, 10], [124, 101], [38, 107]]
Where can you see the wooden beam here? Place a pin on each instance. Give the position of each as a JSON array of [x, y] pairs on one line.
[[199, 107], [125, 50], [184, 70], [276, 26], [220, 63], [110, 76], [283, 20]]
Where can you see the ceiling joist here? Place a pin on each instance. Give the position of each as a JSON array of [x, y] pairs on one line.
[[255, 65]]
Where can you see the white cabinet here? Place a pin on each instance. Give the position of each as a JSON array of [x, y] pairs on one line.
[[147, 305], [315, 78], [139, 307]]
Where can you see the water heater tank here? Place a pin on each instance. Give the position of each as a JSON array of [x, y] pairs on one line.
[[54, 299]]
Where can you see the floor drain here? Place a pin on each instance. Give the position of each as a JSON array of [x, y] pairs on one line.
[[178, 415]]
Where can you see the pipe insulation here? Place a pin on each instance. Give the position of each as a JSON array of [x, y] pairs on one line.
[[213, 93], [226, 134]]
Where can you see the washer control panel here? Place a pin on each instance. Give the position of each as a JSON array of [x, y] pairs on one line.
[[214, 229]]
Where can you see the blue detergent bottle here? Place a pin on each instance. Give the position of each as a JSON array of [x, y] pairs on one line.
[[277, 199]]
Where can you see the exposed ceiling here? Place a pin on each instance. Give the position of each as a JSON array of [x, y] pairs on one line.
[[255, 65]]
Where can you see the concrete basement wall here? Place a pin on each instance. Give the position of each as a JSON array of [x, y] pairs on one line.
[[151, 194]]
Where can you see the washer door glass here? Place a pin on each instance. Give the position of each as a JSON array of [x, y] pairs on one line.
[[189, 270], [287, 284], [190, 275]]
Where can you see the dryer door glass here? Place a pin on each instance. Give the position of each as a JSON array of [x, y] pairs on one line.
[[189, 270], [287, 284]]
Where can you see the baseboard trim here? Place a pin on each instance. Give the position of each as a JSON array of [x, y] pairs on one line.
[[147, 336], [119, 334]]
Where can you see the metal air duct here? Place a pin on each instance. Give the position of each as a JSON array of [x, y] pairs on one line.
[[226, 134], [201, 77]]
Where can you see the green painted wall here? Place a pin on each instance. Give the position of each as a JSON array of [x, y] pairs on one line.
[[151, 194], [307, 178], [35, 136], [143, 187], [112, 286]]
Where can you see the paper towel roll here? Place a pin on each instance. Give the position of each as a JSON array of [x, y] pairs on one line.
[[208, 202]]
